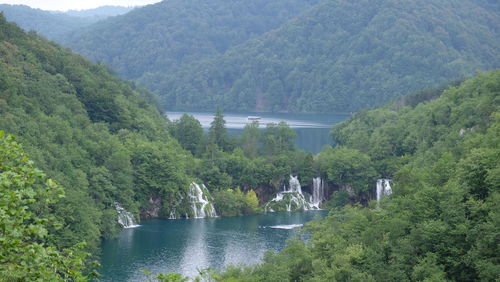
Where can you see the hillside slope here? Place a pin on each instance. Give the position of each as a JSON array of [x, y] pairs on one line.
[[441, 221], [162, 36], [88, 130], [57, 25], [342, 56]]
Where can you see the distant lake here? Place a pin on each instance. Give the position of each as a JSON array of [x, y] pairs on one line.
[[312, 129], [183, 245]]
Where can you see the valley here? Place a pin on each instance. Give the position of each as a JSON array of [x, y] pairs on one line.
[[253, 140]]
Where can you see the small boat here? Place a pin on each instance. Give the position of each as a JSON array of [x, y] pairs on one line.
[[252, 118]]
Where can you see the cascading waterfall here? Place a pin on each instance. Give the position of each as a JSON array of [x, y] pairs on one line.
[[291, 199], [125, 218], [383, 188], [172, 214], [318, 195], [294, 185], [201, 205]]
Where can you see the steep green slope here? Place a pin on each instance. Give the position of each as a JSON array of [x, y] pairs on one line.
[[160, 37], [342, 56], [440, 223], [89, 131]]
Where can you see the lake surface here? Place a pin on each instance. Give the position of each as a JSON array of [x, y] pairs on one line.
[[183, 245], [312, 129]]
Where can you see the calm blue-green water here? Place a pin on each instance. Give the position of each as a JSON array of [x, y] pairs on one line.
[[312, 129], [184, 245]]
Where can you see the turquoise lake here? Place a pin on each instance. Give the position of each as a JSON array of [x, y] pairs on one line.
[[185, 245], [313, 130]]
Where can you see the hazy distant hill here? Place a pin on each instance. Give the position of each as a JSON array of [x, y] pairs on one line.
[[101, 12], [342, 56], [489, 4], [159, 37], [56, 25]]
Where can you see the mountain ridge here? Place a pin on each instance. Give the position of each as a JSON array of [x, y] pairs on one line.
[[299, 71], [175, 32], [292, 56], [56, 25]]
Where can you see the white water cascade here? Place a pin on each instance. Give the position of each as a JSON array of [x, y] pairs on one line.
[[291, 199], [383, 188], [172, 214], [318, 192], [294, 185], [125, 218], [200, 203]]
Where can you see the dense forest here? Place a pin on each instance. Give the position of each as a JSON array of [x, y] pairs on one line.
[[166, 35], [105, 142], [76, 141], [313, 56], [57, 25], [441, 222], [94, 134], [342, 56], [296, 56]]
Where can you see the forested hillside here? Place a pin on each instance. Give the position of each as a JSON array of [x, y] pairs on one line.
[[287, 56], [57, 25], [99, 138], [163, 36], [440, 223], [91, 132], [342, 56]]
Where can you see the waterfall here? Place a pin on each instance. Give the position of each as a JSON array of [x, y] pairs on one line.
[[201, 205], [125, 218], [294, 185], [293, 198], [318, 193], [383, 188], [172, 214]]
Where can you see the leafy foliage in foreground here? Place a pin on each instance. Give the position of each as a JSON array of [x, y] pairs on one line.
[[441, 223], [26, 201]]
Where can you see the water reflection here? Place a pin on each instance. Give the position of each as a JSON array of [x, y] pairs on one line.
[[185, 245], [312, 129], [195, 252]]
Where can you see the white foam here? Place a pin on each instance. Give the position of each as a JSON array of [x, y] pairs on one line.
[[131, 226], [289, 226]]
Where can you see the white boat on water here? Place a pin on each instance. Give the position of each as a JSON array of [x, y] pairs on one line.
[[252, 118]]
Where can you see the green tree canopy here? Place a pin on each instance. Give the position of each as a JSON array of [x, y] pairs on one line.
[[26, 201], [278, 138], [188, 131], [217, 133]]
